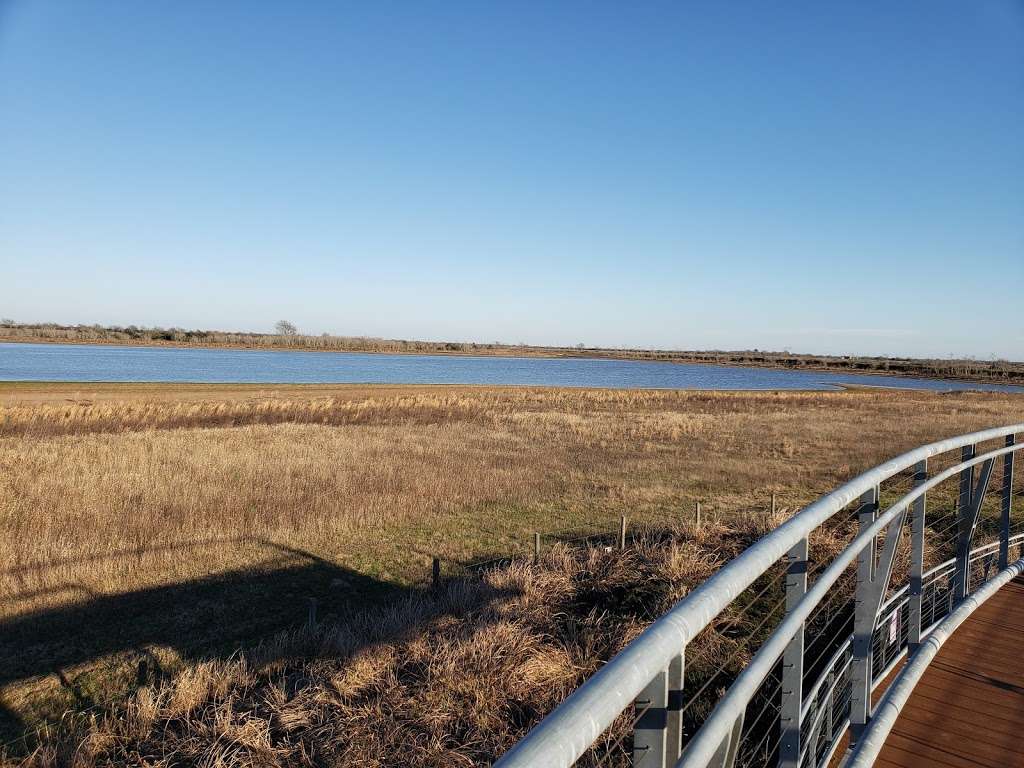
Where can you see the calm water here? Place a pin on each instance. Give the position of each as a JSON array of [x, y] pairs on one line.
[[68, 362]]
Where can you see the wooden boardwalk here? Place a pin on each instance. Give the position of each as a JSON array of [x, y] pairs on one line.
[[968, 709]]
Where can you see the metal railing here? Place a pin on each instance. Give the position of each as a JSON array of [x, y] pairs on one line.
[[824, 714], [785, 707], [867, 749]]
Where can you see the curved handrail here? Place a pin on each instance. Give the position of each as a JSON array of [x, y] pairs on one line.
[[821, 695], [976, 552], [898, 599], [566, 733], [716, 728], [870, 744]]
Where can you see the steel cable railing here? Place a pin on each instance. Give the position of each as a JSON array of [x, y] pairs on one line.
[[813, 723], [772, 714], [707, 745], [869, 746]]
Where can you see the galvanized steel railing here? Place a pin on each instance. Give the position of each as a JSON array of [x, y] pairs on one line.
[[809, 716], [824, 714], [868, 747]]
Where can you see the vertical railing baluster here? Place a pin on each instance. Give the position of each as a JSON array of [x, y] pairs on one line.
[[917, 523], [863, 621], [961, 573], [830, 713], [651, 707], [729, 749], [674, 719], [967, 453], [968, 524], [793, 661], [1007, 506], [815, 734]]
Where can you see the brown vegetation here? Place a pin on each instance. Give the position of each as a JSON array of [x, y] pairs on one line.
[[152, 531], [995, 371], [437, 680]]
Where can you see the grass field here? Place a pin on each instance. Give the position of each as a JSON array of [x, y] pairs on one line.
[[152, 530]]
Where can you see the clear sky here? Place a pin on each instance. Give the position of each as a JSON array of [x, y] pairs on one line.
[[843, 177]]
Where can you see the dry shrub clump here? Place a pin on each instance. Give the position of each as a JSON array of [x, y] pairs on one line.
[[436, 680]]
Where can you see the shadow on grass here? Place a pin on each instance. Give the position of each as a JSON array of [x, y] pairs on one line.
[[207, 618]]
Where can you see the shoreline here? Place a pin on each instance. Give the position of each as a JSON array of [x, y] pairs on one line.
[[530, 353]]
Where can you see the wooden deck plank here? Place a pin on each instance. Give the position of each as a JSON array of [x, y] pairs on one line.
[[945, 708], [956, 728], [919, 750], [968, 709]]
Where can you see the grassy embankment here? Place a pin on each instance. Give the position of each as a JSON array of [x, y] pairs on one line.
[[994, 371], [152, 530]]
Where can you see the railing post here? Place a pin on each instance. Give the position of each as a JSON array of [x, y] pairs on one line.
[[1004, 522], [793, 661], [311, 618], [967, 453], [961, 572], [917, 523], [729, 749], [968, 522], [649, 734], [863, 621], [830, 713], [674, 719], [815, 734]]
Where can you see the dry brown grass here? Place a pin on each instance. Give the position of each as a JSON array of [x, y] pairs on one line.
[[150, 506], [390, 480], [451, 679]]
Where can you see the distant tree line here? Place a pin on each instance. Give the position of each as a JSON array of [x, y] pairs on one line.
[[286, 336]]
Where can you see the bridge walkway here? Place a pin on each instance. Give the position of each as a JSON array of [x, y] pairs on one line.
[[968, 709]]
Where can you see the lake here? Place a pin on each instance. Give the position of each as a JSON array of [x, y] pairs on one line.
[[71, 362]]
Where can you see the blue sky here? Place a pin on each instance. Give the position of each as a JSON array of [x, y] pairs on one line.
[[843, 177]]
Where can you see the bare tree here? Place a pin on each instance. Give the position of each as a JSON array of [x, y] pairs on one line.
[[285, 328]]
